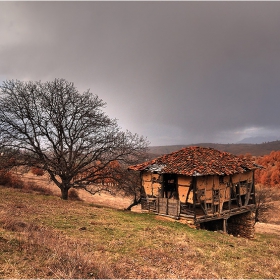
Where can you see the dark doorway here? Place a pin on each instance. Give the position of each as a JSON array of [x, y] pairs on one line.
[[170, 189]]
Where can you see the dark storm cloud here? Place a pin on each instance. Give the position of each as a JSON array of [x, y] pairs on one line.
[[177, 72]]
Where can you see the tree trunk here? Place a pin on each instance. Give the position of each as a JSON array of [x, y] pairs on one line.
[[134, 203], [64, 193]]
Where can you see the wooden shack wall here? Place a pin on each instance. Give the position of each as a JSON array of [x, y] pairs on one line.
[[205, 186], [247, 176], [184, 189], [243, 177], [152, 184]]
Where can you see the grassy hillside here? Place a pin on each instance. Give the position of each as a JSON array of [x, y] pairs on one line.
[[237, 149], [46, 237]]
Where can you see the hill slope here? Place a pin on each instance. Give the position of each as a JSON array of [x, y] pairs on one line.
[[237, 149], [46, 237]]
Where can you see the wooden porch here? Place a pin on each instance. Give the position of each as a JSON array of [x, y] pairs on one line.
[[175, 209]]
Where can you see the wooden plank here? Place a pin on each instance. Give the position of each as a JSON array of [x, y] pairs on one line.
[[239, 196], [144, 204], [224, 225], [184, 180], [203, 207], [173, 207], [162, 205], [183, 193], [248, 194]]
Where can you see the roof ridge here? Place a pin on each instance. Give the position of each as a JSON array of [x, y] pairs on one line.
[[195, 159]]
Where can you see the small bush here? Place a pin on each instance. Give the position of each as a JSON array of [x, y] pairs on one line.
[[73, 195], [10, 180], [37, 171], [16, 183], [265, 198], [4, 177]]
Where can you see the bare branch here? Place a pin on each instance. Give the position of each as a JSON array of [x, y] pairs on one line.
[[65, 132]]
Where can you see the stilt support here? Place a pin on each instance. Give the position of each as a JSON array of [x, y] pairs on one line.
[[225, 225]]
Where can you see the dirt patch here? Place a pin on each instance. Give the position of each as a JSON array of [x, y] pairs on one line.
[[267, 228], [104, 199]]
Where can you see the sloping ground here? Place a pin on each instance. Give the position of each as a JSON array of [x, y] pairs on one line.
[[46, 237], [267, 228], [105, 199], [121, 202]]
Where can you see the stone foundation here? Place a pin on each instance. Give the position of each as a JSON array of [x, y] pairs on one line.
[[242, 225], [238, 225]]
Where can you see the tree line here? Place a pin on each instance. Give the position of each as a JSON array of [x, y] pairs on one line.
[[269, 173]]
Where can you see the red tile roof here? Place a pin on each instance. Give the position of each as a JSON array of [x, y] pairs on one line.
[[197, 161]]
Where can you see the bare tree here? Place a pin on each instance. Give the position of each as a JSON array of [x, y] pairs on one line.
[[131, 186], [130, 183], [65, 133], [265, 196]]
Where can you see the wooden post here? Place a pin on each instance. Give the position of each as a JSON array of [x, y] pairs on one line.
[[253, 188], [239, 195], [248, 194], [194, 195], [225, 225], [230, 191]]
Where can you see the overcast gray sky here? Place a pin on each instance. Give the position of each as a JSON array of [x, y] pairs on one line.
[[175, 72]]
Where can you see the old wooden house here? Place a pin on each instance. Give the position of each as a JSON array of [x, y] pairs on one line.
[[212, 189]]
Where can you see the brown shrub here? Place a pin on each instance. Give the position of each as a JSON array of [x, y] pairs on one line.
[[16, 183], [37, 171], [4, 177], [265, 203], [7, 178], [73, 195]]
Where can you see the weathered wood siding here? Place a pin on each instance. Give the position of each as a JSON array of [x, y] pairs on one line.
[[151, 183], [247, 176], [217, 190], [215, 196], [169, 207], [184, 185]]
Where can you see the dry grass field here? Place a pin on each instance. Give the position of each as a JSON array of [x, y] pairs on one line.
[[118, 202], [42, 236], [121, 202]]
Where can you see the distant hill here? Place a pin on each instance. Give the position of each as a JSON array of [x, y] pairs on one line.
[[237, 149], [257, 140]]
